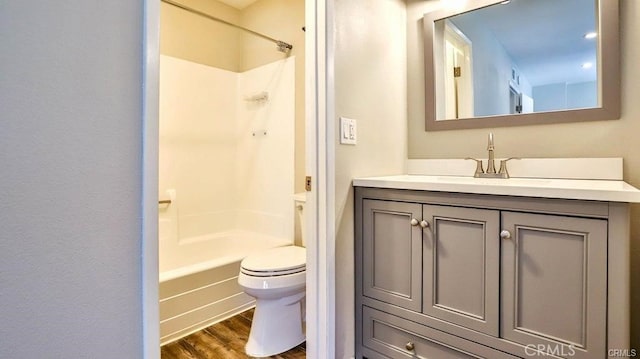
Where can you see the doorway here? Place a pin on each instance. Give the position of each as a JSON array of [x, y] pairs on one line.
[[320, 281]]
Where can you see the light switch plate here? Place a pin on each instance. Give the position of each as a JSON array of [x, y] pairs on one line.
[[348, 131]]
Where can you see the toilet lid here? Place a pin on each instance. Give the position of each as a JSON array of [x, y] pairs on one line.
[[282, 259]]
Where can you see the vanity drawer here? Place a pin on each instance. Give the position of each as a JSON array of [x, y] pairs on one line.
[[394, 337]]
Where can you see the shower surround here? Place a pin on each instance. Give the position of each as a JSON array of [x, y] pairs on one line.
[[227, 164]]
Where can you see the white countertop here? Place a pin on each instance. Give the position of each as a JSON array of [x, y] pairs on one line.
[[596, 190]]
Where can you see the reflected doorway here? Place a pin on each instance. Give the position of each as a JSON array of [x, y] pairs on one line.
[[458, 74]]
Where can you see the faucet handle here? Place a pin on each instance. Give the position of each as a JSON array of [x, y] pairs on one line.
[[503, 166], [479, 169]]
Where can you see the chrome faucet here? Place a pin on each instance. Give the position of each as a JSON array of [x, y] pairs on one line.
[[491, 165]]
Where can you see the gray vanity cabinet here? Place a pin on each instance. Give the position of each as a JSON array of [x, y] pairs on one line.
[[461, 252], [393, 270], [554, 282], [394, 337], [446, 275]]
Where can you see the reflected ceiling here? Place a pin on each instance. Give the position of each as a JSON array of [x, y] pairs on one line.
[[565, 39]]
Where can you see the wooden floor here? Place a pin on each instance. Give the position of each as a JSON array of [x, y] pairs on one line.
[[224, 340]]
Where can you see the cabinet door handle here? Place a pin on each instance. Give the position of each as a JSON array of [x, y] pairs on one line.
[[424, 224], [505, 234], [414, 222], [409, 346]]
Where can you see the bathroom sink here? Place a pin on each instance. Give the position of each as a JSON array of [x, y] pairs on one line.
[[527, 182], [598, 190]]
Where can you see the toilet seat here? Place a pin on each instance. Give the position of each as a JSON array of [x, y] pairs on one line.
[[272, 273], [274, 262]]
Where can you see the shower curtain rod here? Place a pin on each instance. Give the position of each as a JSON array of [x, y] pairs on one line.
[[282, 46]]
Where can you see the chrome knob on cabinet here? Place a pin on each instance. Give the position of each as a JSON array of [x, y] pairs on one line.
[[414, 222], [424, 224], [409, 346], [505, 234]]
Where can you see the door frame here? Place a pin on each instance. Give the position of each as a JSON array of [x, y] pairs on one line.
[[150, 143], [320, 165], [463, 85]]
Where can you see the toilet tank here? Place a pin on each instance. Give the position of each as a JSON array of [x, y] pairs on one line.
[[300, 199]]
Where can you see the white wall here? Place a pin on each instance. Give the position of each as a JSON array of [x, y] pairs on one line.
[[550, 97], [582, 94], [197, 148], [370, 86], [265, 162], [195, 38], [70, 153], [226, 173], [559, 96]]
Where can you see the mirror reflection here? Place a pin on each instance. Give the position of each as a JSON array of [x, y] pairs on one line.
[[508, 59]]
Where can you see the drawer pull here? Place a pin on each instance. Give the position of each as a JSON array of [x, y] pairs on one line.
[[505, 234], [414, 222], [409, 346], [424, 224]]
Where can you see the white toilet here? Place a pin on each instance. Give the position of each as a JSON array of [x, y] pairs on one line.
[[277, 279]]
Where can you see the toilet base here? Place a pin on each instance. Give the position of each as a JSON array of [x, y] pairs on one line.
[[277, 326]]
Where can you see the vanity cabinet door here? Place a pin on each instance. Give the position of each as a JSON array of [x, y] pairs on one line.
[[392, 252], [461, 266], [554, 283]]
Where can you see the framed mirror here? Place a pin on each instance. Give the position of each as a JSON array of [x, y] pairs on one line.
[[492, 63]]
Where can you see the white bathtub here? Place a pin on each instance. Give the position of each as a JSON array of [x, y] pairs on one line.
[[198, 280]]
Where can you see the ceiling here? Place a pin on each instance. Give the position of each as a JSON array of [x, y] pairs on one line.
[[545, 38], [238, 4]]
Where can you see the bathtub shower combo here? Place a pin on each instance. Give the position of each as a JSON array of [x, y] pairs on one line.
[[226, 181]]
